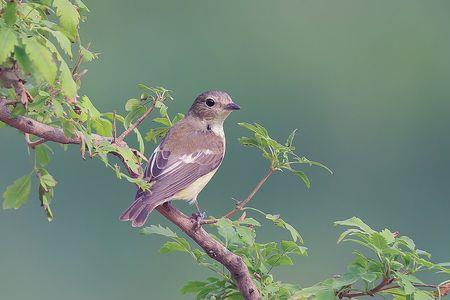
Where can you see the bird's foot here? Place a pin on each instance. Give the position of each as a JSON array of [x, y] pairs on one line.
[[198, 218]]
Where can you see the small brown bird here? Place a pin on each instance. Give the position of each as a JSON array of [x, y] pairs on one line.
[[188, 157]]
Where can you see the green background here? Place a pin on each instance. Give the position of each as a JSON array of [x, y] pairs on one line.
[[366, 82]]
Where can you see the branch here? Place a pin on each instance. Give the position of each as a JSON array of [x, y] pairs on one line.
[[214, 249], [211, 246], [441, 290], [47, 132], [79, 60], [137, 123], [380, 287], [243, 203], [34, 144]]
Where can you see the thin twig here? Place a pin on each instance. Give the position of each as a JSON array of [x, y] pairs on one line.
[[243, 203], [383, 286], [114, 127], [11, 102], [79, 60], [136, 124], [34, 144]]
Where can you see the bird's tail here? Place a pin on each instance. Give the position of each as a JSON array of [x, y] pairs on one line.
[[139, 210]]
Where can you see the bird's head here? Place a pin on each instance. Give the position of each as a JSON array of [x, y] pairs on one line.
[[213, 106]]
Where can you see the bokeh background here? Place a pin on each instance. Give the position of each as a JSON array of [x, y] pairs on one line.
[[366, 82]]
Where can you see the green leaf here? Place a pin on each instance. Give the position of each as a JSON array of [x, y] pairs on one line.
[[81, 5], [192, 287], [63, 41], [248, 142], [293, 247], [303, 177], [406, 284], [285, 261], [280, 260], [68, 127], [18, 110], [355, 222], [47, 181], [170, 247], [43, 154], [90, 108], [87, 55], [369, 277], [10, 13], [69, 17], [226, 230], [388, 236], [163, 121], [133, 115], [250, 221], [24, 61], [140, 141], [378, 241], [311, 163], [68, 85], [41, 58], [408, 242], [7, 42], [423, 295], [164, 231], [280, 223], [290, 139], [45, 196], [177, 118], [2, 124], [246, 234], [132, 104], [103, 127], [326, 294], [346, 233], [17, 193]]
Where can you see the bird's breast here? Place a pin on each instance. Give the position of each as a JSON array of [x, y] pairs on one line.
[[195, 188]]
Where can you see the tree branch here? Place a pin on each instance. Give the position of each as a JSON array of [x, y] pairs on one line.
[[211, 246], [243, 203], [214, 249], [137, 123], [27, 125], [441, 290]]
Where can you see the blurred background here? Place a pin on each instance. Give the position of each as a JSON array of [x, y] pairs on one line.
[[366, 83]]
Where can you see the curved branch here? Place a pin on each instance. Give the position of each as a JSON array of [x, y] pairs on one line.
[[242, 204], [239, 206], [211, 246], [386, 284], [214, 249], [27, 125]]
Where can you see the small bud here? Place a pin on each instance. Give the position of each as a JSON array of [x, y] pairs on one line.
[[144, 96], [242, 218]]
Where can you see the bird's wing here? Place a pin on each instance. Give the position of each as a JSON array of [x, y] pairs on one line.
[[172, 168], [175, 164]]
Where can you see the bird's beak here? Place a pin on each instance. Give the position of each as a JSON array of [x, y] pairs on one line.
[[233, 106]]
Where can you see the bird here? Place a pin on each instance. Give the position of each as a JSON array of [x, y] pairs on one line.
[[186, 159]]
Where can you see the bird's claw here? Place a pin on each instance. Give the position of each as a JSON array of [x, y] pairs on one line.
[[198, 218]]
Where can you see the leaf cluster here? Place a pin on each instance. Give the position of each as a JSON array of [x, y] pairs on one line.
[[37, 38], [388, 266], [280, 155], [240, 238]]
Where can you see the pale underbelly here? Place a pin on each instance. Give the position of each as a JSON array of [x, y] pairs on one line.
[[192, 191]]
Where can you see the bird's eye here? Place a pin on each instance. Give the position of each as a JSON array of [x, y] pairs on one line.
[[210, 102]]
